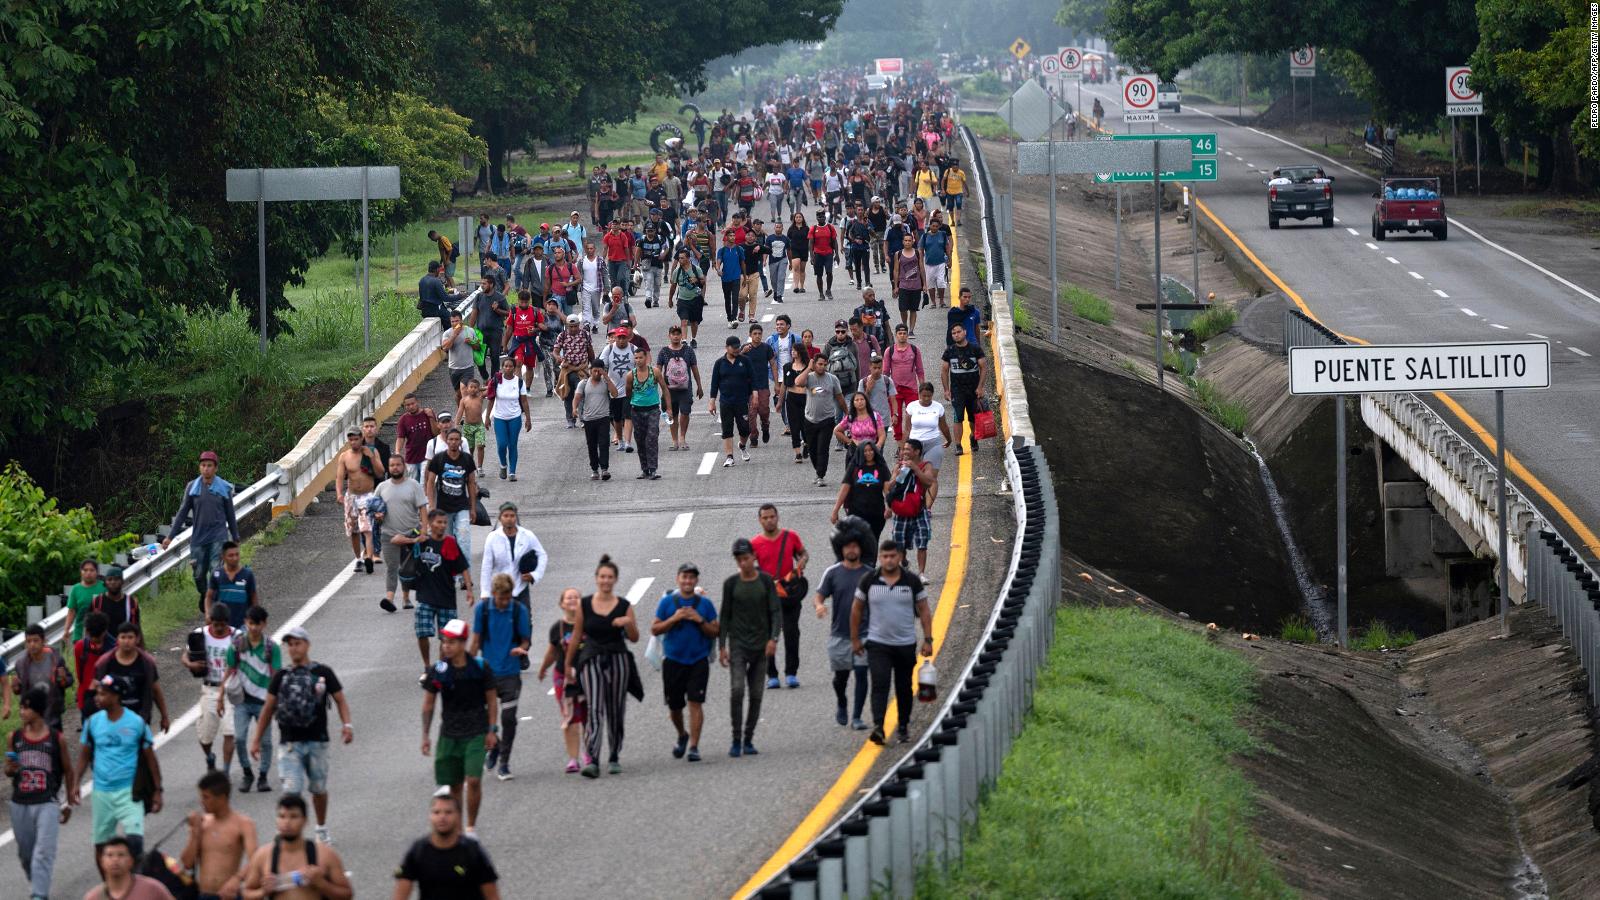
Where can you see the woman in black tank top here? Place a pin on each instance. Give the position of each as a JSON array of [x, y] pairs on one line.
[[604, 667]]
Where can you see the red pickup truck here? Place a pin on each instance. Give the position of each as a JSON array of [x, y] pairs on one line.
[[1410, 205]]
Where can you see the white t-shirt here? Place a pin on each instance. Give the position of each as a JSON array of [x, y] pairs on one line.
[[216, 655], [591, 273], [925, 420], [776, 183], [506, 402]]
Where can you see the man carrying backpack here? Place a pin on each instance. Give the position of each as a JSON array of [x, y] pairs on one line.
[[297, 697], [824, 241], [251, 662], [679, 368], [844, 362], [466, 728]]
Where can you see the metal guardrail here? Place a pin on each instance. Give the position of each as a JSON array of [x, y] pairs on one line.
[[285, 480], [1547, 567], [915, 816]]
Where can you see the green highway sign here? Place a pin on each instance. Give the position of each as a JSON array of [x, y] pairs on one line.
[[1201, 170], [1204, 145]]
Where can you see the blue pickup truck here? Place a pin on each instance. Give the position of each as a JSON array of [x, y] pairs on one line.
[[1299, 192]]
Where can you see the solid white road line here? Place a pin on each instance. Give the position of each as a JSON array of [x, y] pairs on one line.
[[1415, 275], [1353, 232], [707, 461], [1441, 293], [680, 525], [637, 590], [1469, 312], [1577, 351], [192, 715]]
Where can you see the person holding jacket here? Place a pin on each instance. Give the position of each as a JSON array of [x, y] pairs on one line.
[[208, 500], [506, 552]]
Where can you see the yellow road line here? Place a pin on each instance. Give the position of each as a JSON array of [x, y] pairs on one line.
[[1583, 532], [844, 788]]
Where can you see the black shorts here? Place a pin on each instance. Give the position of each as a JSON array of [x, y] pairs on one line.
[[735, 416], [910, 299], [680, 401], [963, 402], [692, 311], [619, 409], [684, 683], [821, 262]]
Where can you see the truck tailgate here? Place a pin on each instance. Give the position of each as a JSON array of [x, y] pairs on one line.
[[1412, 210]]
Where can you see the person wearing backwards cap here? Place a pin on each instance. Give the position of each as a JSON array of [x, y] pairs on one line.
[[209, 501], [467, 688], [112, 743]]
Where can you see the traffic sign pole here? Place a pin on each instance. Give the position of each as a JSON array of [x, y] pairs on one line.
[[1500, 508], [1161, 373], [1194, 237], [1341, 515], [1455, 178]]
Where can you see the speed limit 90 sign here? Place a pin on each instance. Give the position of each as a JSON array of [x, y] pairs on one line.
[[1139, 99]]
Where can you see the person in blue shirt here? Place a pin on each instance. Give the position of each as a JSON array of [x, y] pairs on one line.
[[936, 258], [730, 263], [686, 623], [209, 501], [113, 741], [501, 635]]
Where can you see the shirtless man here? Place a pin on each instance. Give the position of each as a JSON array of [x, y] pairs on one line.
[[293, 868], [469, 418], [359, 467], [220, 840]]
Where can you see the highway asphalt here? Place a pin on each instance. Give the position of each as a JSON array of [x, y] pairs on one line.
[[1412, 288], [664, 828]]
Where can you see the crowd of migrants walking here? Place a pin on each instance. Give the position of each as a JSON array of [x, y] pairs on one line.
[[836, 201]]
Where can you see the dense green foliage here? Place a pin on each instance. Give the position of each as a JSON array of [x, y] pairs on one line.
[[40, 545], [1121, 785], [1526, 56]]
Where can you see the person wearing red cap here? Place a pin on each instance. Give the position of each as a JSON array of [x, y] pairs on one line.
[[466, 730], [209, 501]]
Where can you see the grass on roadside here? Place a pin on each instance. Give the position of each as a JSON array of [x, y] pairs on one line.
[[1230, 414], [1121, 783], [1377, 636], [1021, 316], [1296, 629], [1212, 322], [988, 126], [1086, 304]]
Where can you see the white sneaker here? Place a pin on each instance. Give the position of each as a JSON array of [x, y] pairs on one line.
[[728, 463], [744, 454]]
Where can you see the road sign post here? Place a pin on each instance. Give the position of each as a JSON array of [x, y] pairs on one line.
[[1340, 370], [1461, 99], [1161, 372], [1038, 113], [1302, 64], [261, 186]]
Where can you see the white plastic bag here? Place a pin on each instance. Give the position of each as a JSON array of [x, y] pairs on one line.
[[655, 652]]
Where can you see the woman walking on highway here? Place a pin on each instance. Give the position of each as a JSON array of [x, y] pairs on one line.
[[603, 666], [574, 711], [799, 250], [643, 386]]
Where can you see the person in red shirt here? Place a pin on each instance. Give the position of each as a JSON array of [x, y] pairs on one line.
[[86, 651], [413, 432], [824, 240], [781, 554], [522, 341], [620, 256]]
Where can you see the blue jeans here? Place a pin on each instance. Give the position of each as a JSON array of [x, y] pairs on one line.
[[461, 529], [205, 557], [619, 275], [303, 766], [245, 712], [505, 442]]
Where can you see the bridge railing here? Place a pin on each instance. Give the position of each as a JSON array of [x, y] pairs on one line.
[[917, 815], [1548, 568], [290, 483]]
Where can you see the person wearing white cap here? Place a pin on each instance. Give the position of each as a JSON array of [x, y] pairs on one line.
[[466, 729]]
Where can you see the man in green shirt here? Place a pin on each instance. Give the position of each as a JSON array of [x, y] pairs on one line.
[[251, 662], [81, 598], [751, 620]]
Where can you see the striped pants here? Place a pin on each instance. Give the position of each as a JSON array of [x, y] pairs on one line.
[[605, 684]]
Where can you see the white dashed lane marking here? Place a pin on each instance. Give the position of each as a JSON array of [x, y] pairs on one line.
[[637, 590], [1393, 260], [1577, 351], [680, 525], [707, 462], [1415, 275], [1353, 232], [1441, 293], [1469, 312], [1371, 246], [1499, 326], [1539, 336]]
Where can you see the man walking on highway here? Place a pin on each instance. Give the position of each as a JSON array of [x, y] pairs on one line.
[[38, 763], [405, 506], [440, 559], [212, 667], [209, 501], [252, 660], [297, 697], [782, 556], [892, 600], [452, 487], [293, 868], [838, 586], [359, 469], [502, 632], [443, 865], [965, 368], [467, 688], [686, 622], [415, 428], [513, 550], [221, 840], [113, 742], [751, 620]]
